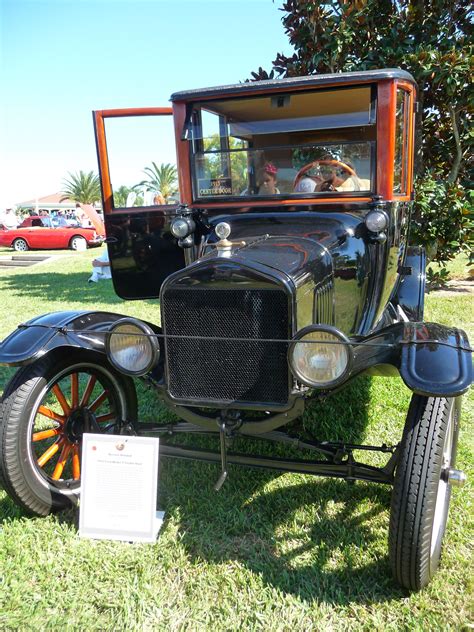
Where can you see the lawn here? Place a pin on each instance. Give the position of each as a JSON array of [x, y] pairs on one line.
[[270, 551]]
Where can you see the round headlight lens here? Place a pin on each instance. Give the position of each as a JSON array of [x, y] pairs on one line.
[[320, 357], [132, 347], [376, 221], [180, 227]]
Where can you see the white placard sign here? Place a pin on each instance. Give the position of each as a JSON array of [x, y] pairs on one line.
[[119, 487]]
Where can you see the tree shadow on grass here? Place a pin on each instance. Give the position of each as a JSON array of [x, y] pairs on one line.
[[8, 510], [319, 540]]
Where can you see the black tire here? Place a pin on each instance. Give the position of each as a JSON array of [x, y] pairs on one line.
[[34, 422], [20, 245], [78, 243], [421, 492]]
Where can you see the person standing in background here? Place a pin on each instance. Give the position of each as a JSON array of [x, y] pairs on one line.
[[9, 219], [82, 217]]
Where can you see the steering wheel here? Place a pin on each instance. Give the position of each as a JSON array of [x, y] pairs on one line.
[[332, 163]]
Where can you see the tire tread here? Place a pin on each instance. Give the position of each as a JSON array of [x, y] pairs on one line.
[[415, 490]]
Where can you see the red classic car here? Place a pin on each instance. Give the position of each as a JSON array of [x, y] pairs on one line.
[[49, 233]]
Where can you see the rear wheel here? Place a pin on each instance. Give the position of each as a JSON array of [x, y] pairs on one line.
[[422, 489], [78, 243], [20, 245], [45, 410]]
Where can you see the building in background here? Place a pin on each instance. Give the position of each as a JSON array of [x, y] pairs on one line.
[[49, 203]]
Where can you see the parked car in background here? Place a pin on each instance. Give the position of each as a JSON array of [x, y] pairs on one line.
[[48, 233]]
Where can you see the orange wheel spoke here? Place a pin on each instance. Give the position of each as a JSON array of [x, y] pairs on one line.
[[63, 457], [108, 417], [45, 434], [76, 463], [97, 402], [88, 391], [47, 412], [50, 452], [61, 399], [74, 390]]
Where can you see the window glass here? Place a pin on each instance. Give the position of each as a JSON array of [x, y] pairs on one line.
[[142, 159], [401, 143], [290, 144], [341, 167]]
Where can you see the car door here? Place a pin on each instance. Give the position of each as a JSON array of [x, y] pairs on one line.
[[61, 233], [53, 235], [136, 153], [40, 234]]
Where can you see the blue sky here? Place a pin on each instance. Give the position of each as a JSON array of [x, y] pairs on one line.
[[61, 59]]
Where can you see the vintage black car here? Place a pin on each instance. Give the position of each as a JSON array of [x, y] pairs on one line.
[[283, 272]]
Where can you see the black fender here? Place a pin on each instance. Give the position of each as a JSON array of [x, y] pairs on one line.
[[35, 338], [432, 359], [410, 294]]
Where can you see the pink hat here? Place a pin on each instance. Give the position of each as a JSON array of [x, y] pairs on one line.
[[270, 168]]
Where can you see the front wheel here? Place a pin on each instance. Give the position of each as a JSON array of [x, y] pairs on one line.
[[20, 245], [422, 489], [78, 243], [45, 410]]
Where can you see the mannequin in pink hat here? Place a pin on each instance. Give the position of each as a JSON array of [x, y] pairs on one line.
[[267, 180]]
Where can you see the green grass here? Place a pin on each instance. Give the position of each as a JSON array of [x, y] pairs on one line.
[[269, 552], [458, 268]]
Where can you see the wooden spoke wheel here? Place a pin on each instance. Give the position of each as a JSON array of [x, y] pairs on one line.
[[45, 410]]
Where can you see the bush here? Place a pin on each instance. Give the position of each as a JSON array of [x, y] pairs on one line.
[[442, 219]]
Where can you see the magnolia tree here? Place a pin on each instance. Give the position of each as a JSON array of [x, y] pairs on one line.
[[431, 40]]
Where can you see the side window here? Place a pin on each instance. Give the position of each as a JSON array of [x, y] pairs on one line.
[[401, 142], [142, 161]]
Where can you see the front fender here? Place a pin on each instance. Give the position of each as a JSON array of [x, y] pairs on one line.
[[31, 340], [410, 295], [432, 359]]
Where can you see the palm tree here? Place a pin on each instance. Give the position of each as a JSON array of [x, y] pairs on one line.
[[163, 178], [82, 187], [120, 196]]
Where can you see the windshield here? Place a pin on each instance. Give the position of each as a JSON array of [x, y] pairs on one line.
[[286, 145], [54, 222], [59, 222]]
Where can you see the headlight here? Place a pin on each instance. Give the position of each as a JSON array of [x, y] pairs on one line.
[[132, 346], [320, 356], [376, 221], [182, 227]]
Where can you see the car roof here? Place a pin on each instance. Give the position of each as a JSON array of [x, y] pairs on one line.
[[361, 76]]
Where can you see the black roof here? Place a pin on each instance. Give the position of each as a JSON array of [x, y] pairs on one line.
[[296, 82]]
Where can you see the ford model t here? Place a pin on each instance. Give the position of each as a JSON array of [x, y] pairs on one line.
[[282, 272]]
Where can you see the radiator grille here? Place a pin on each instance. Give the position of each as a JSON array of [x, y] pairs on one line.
[[226, 371]]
